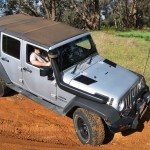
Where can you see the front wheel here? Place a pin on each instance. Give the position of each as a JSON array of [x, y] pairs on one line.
[[89, 127]]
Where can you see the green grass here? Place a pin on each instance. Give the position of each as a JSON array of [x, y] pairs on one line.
[[137, 34], [130, 53]]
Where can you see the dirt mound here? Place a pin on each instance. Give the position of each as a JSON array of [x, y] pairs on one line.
[[25, 124]]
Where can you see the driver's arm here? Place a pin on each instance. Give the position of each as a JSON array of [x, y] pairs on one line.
[[36, 62]]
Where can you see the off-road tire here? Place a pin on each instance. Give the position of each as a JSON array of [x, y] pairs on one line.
[[89, 127], [3, 88]]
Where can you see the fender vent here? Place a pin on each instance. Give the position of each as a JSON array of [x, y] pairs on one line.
[[85, 80]]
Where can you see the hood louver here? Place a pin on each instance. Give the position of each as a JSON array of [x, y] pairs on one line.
[[85, 80]]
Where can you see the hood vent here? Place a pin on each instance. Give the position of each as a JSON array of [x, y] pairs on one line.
[[110, 63], [85, 80]]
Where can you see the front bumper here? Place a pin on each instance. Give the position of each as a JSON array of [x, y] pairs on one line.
[[132, 121]]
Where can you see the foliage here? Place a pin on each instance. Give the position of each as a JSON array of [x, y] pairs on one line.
[[83, 14], [24, 6], [86, 14], [12, 4], [127, 14], [79, 13], [88, 11]]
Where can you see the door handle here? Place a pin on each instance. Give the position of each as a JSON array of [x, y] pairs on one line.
[[5, 59], [27, 69]]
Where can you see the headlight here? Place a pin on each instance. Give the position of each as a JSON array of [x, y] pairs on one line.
[[141, 83], [121, 105]]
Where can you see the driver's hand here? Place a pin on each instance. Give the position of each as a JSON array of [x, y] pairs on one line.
[[48, 64]]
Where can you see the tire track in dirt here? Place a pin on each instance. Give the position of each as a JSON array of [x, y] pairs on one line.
[[35, 133], [33, 122]]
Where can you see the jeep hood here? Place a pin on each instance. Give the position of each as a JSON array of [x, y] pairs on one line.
[[102, 77]]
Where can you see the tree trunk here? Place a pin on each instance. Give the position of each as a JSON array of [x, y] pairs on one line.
[[47, 11], [53, 9]]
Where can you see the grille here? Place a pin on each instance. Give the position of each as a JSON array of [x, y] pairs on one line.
[[130, 96]]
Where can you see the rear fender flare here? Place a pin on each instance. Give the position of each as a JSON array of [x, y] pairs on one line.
[[3, 74]]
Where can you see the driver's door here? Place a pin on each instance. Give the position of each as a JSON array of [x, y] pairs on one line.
[[32, 81]]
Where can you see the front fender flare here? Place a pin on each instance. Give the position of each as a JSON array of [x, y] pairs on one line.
[[105, 111]]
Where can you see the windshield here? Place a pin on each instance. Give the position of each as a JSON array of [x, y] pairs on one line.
[[74, 52]]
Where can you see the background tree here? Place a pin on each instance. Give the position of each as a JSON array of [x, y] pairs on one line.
[[83, 13], [27, 7], [86, 14], [79, 13], [49, 8], [127, 14], [12, 4]]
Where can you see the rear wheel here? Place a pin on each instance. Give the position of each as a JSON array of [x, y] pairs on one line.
[[3, 88], [89, 127]]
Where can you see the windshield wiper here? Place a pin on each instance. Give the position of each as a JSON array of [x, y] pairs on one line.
[[74, 70], [90, 60]]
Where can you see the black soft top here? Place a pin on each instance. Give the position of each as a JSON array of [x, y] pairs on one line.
[[37, 30]]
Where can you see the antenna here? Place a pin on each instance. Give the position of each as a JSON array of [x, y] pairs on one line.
[[146, 62]]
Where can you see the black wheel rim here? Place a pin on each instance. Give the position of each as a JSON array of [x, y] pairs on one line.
[[83, 128]]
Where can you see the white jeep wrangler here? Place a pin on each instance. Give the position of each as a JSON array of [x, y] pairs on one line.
[[94, 91]]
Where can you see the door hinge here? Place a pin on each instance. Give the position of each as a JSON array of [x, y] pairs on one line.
[[21, 80], [20, 68]]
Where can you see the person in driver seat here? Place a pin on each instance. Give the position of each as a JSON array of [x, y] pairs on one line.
[[37, 59]]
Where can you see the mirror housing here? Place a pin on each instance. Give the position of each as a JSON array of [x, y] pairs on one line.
[[53, 54], [46, 71]]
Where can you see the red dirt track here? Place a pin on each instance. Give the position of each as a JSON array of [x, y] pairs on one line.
[[27, 125]]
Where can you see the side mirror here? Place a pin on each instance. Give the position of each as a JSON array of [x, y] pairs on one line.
[[46, 71], [53, 54]]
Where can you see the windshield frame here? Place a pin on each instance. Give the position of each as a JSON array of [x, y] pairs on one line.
[[89, 52]]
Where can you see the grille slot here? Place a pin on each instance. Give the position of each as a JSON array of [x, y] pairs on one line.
[[129, 98]]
